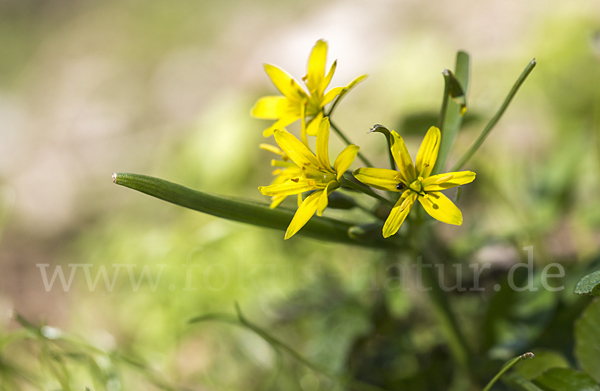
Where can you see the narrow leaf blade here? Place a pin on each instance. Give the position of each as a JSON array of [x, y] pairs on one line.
[[242, 210], [455, 88]]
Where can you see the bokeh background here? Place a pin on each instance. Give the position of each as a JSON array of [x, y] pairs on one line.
[[164, 88]]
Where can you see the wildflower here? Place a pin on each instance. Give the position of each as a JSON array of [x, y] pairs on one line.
[[285, 170], [314, 174], [416, 182], [296, 103]]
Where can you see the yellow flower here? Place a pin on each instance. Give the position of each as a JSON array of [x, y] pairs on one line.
[[285, 170], [416, 182], [315, 174], [296, 103]]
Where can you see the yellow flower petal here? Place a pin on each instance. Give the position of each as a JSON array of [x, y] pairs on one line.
[[295, 150], [399, 213], [287, 188], [441, 208], [285, 83], [331, 94], [448, 180], [428, 152], [276, 200], [316, 66], [345, 159], [271, 148], [323, 145], [271, 107], [327, 78], [280, 124], [314, 124], [379, 178], [324, 200], [306, 210], [402, 158], [303, 131]]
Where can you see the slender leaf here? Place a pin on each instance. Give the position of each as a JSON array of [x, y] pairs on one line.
[[454, 106], [244, 211], [388, 135]]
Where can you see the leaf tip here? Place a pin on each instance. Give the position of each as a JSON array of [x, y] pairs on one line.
[[527, 355]]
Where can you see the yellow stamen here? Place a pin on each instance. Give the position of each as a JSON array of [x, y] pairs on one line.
[[405, 204]]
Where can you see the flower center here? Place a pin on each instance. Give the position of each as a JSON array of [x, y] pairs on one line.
[[416, 186]]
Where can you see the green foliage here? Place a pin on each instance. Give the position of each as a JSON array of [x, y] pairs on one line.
[[587, 335], [589, 285], [564, 379]]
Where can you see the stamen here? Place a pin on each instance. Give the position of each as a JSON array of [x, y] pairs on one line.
[[311, 183], [443, 179], [404, 204], [295, 180]]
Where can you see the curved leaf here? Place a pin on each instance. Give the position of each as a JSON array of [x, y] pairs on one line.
[[242, 210]]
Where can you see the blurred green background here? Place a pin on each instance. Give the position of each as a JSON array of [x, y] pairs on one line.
[[164, 88]]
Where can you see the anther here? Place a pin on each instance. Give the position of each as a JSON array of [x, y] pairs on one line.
[[404, 204], [295, 180]]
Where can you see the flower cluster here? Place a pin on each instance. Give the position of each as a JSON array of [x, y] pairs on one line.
[[300, 171]]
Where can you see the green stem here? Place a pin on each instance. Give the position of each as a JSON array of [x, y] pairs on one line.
[[465, 158], [505, 368], [364, 189], [348, 142]]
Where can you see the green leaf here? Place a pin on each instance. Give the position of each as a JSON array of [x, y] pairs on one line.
[[563, 379], [587, 340], [451, 117], [544, 360], [388, 135], [244, 211], [589, 285]]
